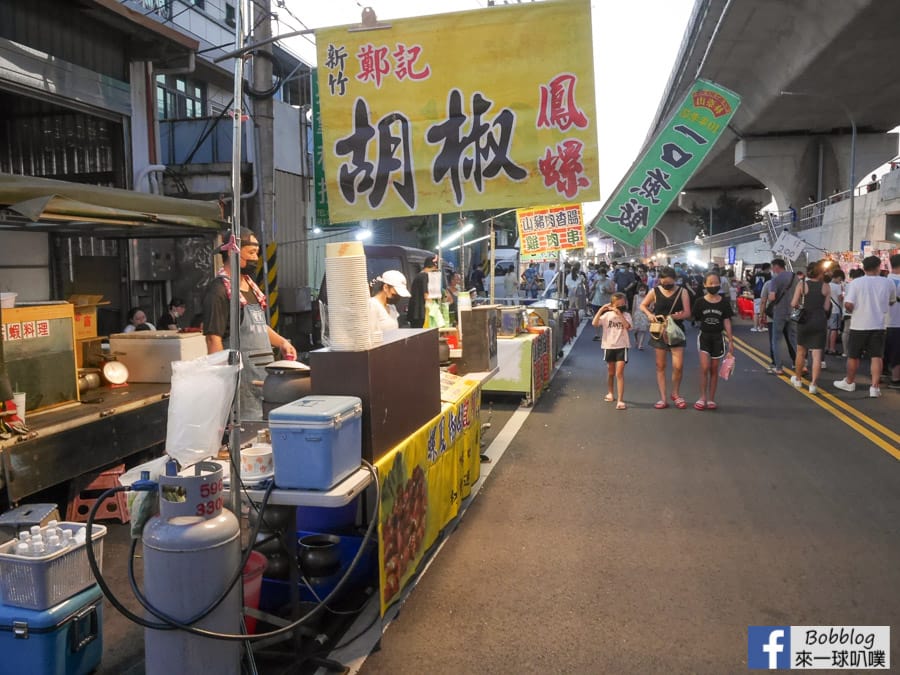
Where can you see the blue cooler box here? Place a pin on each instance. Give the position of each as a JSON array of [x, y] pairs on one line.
[[316, 441], [64, 640]]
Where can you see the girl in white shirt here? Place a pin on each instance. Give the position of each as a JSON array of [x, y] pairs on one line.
[[615, 320]]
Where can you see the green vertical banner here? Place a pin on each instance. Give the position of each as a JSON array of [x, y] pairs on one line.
[[670, 161], [318, 156]]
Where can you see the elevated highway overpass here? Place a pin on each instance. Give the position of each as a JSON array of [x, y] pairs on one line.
[[838, 52]]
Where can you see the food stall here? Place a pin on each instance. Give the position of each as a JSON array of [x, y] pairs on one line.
[[71, 432], [524, 364]]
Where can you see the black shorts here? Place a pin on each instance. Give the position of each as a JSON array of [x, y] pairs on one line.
[[660, 344], [870, 342], [892, 348], [711, 343], [614, 355]]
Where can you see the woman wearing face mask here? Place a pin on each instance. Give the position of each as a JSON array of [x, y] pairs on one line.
[[387, 290], [713, 313], [667, 299]]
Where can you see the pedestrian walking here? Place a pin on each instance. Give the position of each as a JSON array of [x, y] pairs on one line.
[[779, 310], [640, 323], [892, 343], [602, 294], [713, 313], [813, 295], [835, 319], [668, 300], [868, 298], [763, 275], [615, 321]]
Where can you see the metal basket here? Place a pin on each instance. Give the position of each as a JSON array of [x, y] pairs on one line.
[[42, 582]]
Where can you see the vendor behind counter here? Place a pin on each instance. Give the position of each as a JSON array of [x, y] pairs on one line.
[[257, 338]]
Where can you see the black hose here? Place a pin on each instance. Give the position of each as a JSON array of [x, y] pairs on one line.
[[172, 624]]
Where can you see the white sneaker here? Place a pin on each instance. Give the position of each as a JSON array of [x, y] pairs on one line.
[[874, 392], [813, 389], [796, 381], [846, 386], [824, 366], [754, 329]]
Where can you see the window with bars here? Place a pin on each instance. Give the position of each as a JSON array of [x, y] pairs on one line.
[[179, 98]]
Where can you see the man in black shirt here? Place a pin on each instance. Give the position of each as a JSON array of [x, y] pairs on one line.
[[418, 290]]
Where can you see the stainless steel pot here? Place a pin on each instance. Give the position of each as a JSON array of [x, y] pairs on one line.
[[286, 381]]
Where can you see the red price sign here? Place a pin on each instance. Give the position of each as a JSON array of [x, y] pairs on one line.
[[211, 504]]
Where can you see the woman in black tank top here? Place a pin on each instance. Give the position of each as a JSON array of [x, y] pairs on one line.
[[665, 300], [815, 296]]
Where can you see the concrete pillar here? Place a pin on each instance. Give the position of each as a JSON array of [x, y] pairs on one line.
[[872, 150], [790, 165]]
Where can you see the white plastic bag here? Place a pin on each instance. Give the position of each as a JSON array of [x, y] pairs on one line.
[[199, 405]]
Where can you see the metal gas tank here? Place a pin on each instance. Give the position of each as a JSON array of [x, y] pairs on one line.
[[191, 552]]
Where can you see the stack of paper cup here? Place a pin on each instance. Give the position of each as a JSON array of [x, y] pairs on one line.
[[348, 297]]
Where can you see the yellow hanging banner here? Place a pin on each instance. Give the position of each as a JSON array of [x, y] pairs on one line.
[[473, 110], [550, 228]]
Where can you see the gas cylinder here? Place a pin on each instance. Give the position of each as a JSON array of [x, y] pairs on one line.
[[191, 551]]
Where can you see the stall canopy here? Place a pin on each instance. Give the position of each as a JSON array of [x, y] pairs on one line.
[[43, 205]]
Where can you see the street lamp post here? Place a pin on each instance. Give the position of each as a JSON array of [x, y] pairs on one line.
[[852, 149]]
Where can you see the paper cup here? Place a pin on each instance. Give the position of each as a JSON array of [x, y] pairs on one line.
[[257, 460], [19, 400]]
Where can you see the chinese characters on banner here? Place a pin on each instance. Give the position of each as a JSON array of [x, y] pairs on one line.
[[550, 228], [409, 127], [673, 156]]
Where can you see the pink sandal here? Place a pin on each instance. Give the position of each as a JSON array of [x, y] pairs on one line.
[[680, 403], [620, 405], [711, 405], [700, 405], [659, 405]]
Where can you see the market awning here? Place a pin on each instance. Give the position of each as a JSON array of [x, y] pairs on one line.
[[43, 205]]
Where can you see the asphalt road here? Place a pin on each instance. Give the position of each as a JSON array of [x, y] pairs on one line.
[[646, 541]]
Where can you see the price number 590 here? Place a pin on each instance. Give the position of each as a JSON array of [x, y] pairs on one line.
[[213, 504]]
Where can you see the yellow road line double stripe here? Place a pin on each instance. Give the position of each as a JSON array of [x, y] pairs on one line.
[[835, 406]]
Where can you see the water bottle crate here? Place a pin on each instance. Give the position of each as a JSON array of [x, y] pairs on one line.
[[41, 582]]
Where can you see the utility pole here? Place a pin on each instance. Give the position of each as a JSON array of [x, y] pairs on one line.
[[263, 134]]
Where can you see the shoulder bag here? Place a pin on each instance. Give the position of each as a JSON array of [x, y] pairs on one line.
[[798, 314], [667, 330], [674, 333], [770, 307]]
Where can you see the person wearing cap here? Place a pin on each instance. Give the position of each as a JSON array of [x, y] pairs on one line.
[[169, 320], [386, 292], [256, 337], [416, 310]]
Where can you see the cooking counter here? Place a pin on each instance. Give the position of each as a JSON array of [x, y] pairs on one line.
[[108, 425]]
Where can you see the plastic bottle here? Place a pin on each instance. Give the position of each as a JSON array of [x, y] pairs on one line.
[[35, 529], [53, 544], [81, 536], [24, 537], [37, 548], [23, 549], [66, 539]]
